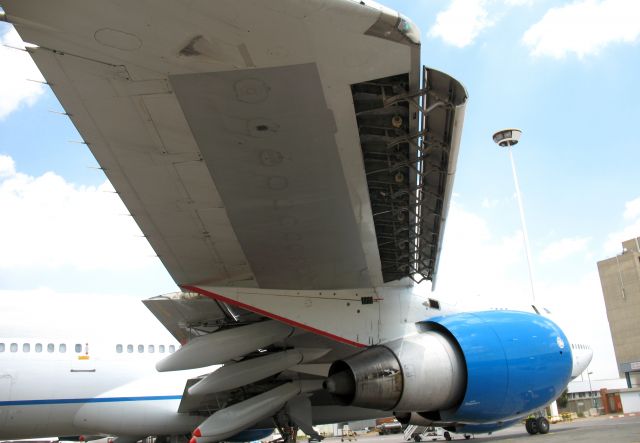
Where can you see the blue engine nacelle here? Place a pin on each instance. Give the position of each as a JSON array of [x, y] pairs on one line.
[[465, 368], [516, 363]]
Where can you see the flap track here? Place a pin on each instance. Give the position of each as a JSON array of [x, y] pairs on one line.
[[406, 138]]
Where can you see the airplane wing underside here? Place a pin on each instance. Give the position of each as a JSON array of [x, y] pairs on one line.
[[275, 144]]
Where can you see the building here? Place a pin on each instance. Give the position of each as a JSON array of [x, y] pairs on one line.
[[621, 400], [594, 397], [620, 280], [584, 403]]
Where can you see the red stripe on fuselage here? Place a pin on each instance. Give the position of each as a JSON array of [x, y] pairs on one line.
[[272, 315]]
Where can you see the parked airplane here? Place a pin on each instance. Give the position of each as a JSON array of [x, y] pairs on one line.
[[292, 165], [74, 388]]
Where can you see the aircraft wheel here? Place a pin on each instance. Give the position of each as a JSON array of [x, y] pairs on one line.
[[543, 425], [447, 436], [531, 425], [417, 438], [467, 436]]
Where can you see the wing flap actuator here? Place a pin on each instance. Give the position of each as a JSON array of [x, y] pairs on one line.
[[235, 418], [234, 375], [222, 346]]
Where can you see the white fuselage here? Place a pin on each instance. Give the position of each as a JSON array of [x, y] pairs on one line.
[[98, 390], [582, 355]]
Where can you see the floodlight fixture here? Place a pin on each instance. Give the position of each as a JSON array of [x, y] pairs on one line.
[[507, 137]]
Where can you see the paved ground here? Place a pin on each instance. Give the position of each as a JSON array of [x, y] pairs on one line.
[[587, 430], [596, 429]]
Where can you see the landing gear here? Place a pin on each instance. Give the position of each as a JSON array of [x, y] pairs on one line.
[[543, 425], [447, 436], [538, 425], [531, 425], [288, 430]]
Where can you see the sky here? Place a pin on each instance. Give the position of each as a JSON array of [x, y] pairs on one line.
[[564, 72]]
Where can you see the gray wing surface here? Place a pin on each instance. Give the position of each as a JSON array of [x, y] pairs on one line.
[[229, 131]]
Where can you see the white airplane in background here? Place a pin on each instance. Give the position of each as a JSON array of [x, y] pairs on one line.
[[292, 164], [58, 388]]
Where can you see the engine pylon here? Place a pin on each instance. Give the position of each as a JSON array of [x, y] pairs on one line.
[[229, 421], [233, 375], [220, 347]]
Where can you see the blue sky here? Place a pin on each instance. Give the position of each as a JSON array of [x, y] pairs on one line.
[[564, 72]]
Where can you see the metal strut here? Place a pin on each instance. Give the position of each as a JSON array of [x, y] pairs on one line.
[[406, 165], [287, 429], [417, 99]]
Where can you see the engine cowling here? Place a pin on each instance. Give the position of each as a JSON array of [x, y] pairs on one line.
[[423, 372], [465, 368]]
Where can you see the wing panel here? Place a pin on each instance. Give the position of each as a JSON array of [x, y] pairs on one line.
[[168, 121], [163, 191], [199, 188], [268, 139]]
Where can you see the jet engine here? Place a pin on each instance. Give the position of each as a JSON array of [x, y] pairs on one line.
[[424, 372], [465, 368]]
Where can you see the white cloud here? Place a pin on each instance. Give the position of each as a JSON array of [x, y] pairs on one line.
[[631, 209], [461, 22], [17, 68], [476, 263], [584, 27], [564, 248], [7, 166], [613, 244], [519, 2], [490, 203], [50, 223], [81, 315]]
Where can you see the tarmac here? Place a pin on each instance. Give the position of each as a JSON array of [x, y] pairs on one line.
[[609, 428]]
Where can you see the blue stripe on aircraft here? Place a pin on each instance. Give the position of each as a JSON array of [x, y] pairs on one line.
[[63, 401]]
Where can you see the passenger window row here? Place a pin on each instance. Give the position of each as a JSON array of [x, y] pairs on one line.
[[78, 348], [149, 349], [38, 347]]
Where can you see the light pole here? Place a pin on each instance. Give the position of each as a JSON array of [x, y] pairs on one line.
[[508, 138], [590, 389]]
